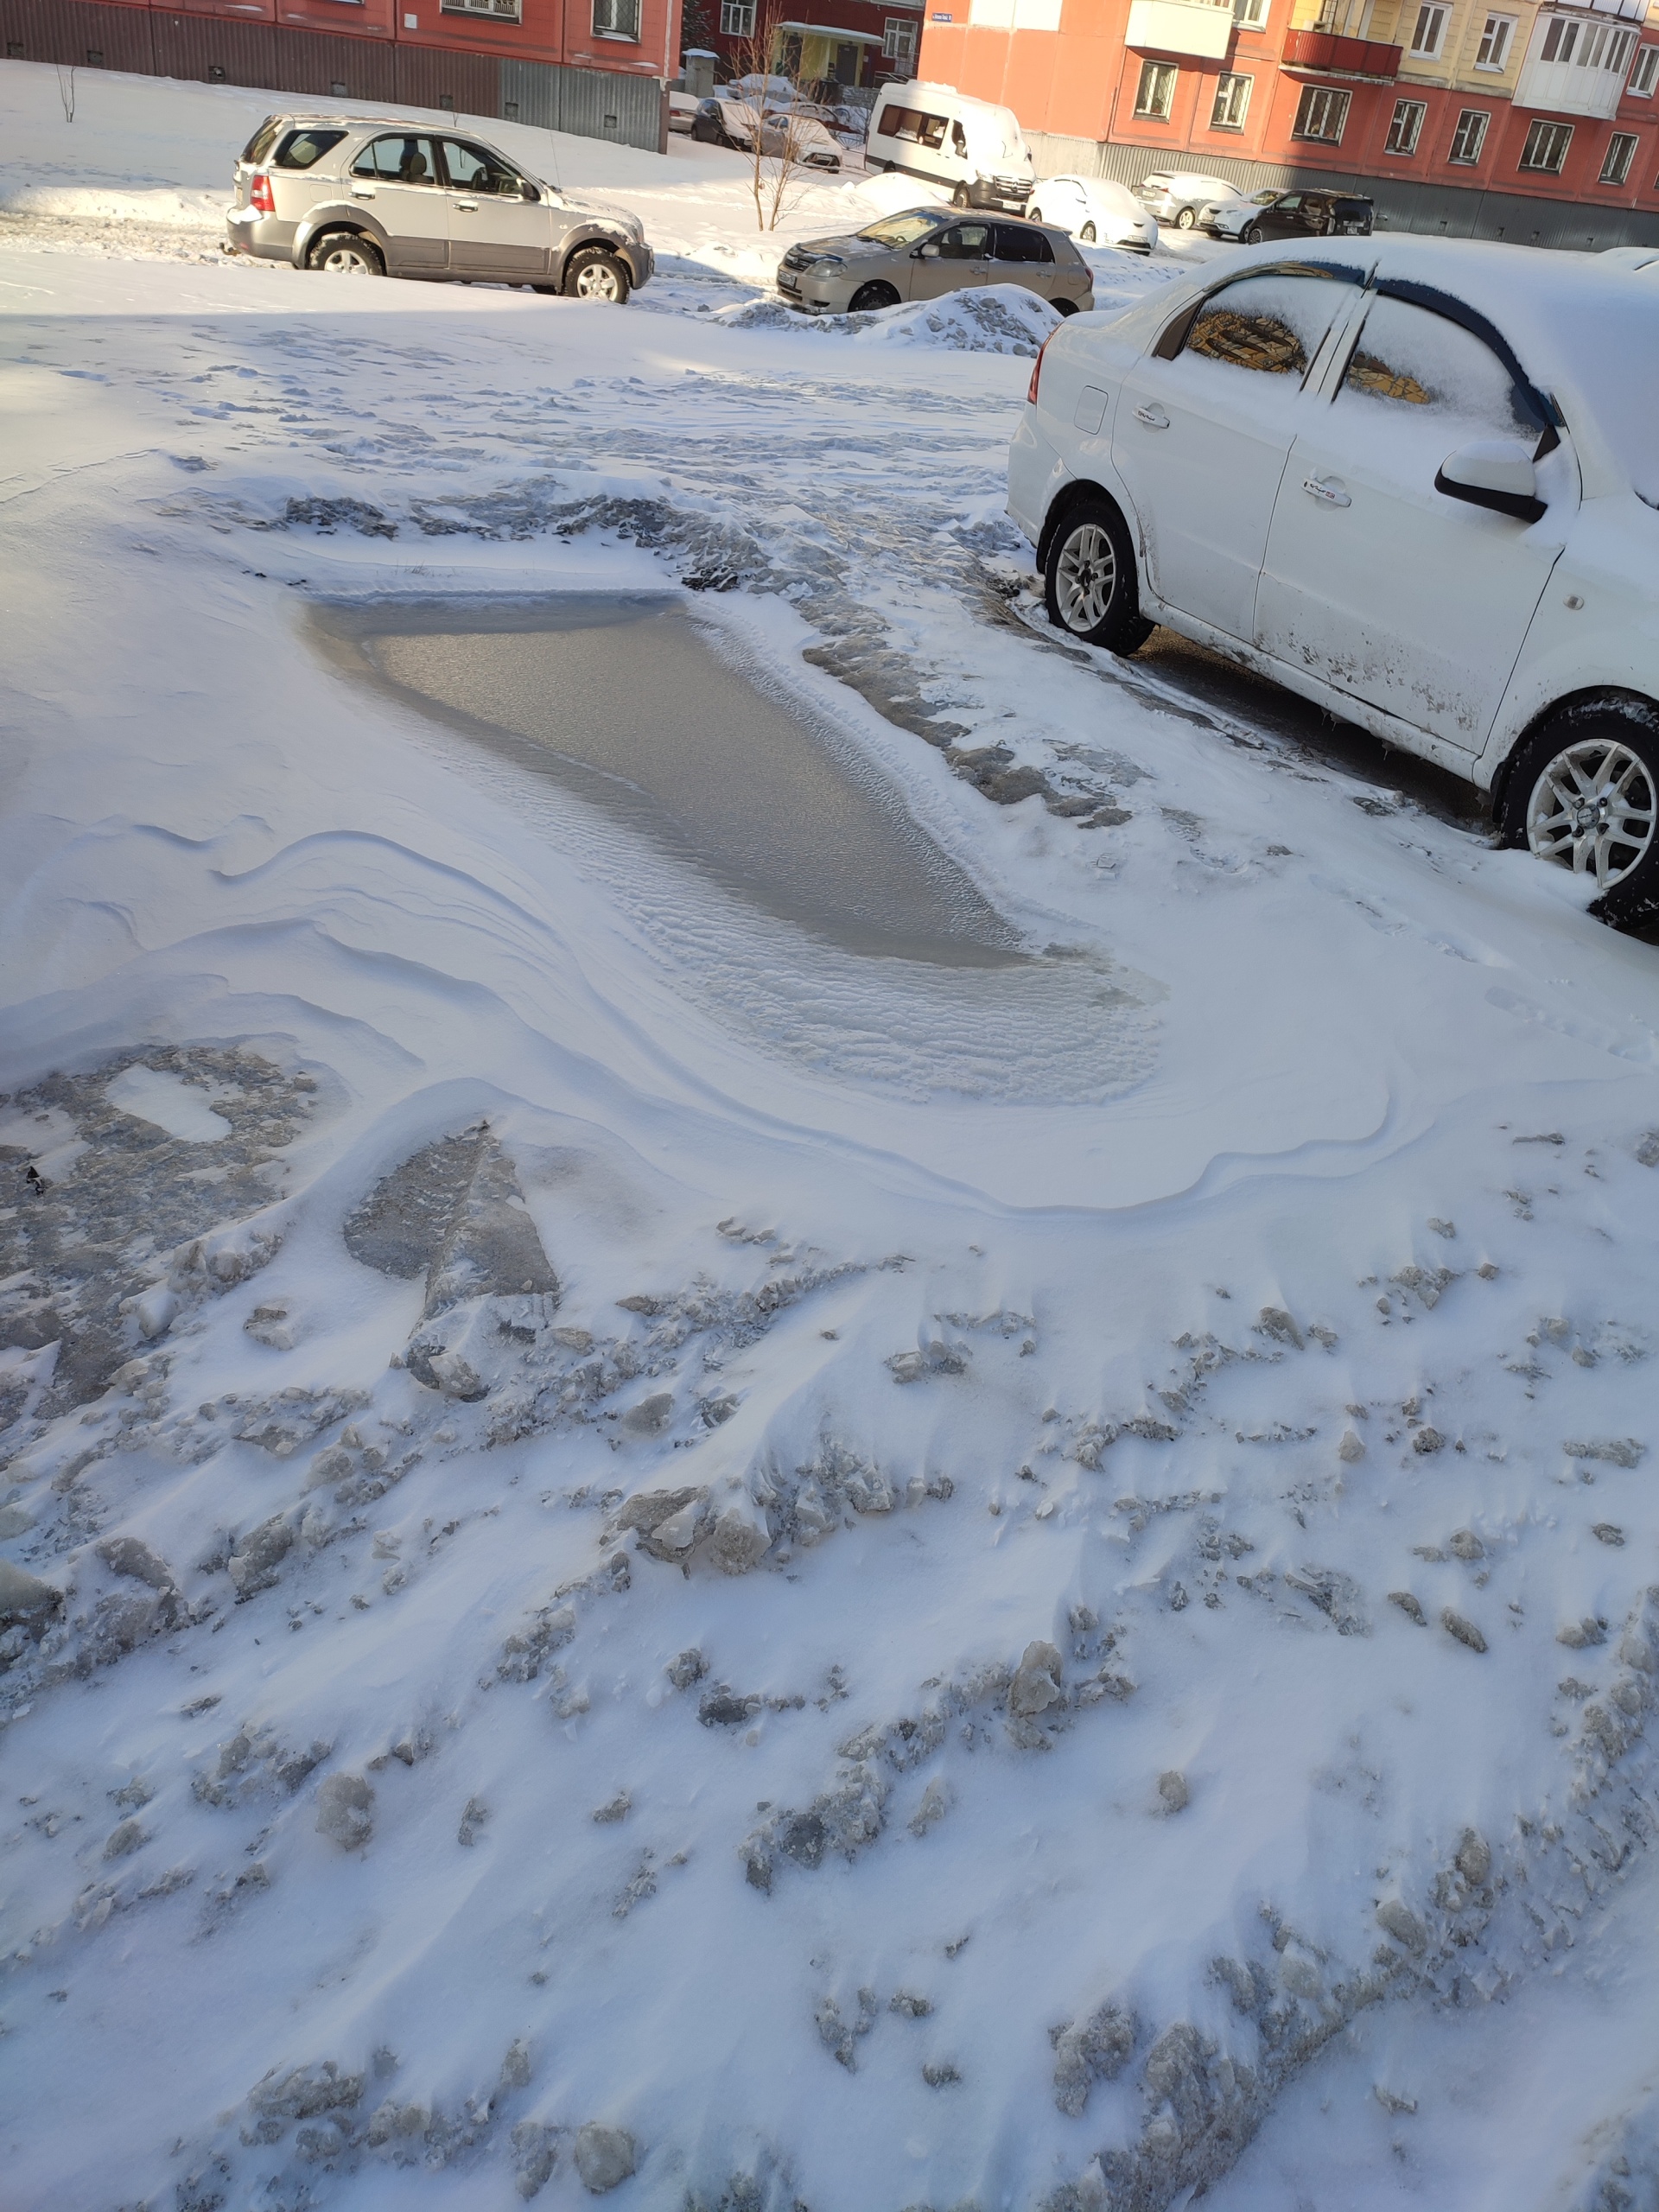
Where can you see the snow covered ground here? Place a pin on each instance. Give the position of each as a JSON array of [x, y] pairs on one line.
[[647, 1550]]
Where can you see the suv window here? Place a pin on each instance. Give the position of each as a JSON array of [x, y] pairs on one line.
[[399, 160], [1015, 244], [262, 141], [1272, 324], [471, 169], [304, 149]]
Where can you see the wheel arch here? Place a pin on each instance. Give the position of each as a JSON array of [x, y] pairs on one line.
[[1068, 496], [578, 241], [338, 219], [1592, 695]]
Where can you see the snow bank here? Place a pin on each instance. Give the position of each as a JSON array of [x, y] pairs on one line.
[[996, 319]]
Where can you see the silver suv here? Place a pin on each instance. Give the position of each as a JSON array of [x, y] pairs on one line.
[[381, 198]]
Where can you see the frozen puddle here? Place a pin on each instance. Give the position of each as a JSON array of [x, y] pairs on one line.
[[893, 967], [168, 1102]]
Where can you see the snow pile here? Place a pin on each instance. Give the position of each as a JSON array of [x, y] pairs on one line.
[[997, 318], [160, 206]]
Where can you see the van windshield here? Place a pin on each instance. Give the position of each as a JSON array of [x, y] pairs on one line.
[[902, 230]]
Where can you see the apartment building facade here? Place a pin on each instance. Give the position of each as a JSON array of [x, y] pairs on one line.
[[598, 68], [1532, 120], [846, 42]]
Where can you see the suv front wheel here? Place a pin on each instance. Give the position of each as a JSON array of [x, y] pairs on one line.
[[1089, 581], [345, 253], [593, 274], [1584, 793]]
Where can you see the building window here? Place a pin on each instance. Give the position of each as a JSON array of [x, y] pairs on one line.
[[737, 18], [1321, 113], [1621, 152], [898, 40], [1250, 14], [1494, 42], [1406, 126], [1558, 39], [1469, 137], [1546, 147], [1430, 33], [1642, 76], [1156, 92], [616, 18], [502, 10], [1232, 102]]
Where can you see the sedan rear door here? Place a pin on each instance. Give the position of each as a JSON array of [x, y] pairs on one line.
[[1206, 423], [1021, 254], [1375, 582]]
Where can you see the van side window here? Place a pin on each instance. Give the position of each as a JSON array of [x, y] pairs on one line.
[[887, 123], [958, 140], [932, 131]]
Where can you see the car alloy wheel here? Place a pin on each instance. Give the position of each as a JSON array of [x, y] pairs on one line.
[[1089, 577], [1184, 219], [594, 275], [342, 253], [1087, 234], [959, 197], [1594, 809], [1085, 578], [1253, 236]]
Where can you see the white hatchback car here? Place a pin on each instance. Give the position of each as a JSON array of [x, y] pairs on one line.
[[1413, 479], [1093, 209]]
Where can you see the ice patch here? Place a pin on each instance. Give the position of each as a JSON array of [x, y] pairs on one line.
[[168, 1101]]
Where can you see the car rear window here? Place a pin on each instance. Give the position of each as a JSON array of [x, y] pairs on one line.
[[262, 141], [304, 149]]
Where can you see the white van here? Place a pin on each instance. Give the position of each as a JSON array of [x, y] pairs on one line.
[[934, 131]]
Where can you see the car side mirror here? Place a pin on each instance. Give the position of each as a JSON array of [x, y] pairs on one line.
[[925, 253], [529, 190], [1495, 473]]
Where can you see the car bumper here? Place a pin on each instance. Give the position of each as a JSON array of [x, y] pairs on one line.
[[814, 294], [641, 261], [262, 237], [1033, 470], [986, 192]]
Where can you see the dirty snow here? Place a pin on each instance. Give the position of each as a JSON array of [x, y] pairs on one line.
[[691, 1564]]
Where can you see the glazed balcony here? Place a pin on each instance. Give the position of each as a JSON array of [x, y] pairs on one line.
[[1326, 54], [1203, 28]]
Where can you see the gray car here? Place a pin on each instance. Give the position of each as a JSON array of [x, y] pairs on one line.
[[383, 198], [928, 252]]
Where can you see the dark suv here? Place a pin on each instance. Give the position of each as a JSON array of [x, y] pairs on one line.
[[1296, 215]]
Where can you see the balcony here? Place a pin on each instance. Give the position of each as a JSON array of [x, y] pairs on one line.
[[1201, 27], [1577, 59], [1364, 59]]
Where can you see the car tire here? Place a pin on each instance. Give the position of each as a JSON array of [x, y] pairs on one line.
[[868, 297], [1034, 214], [1066, 307], [1253, 234], [593, 274], [1574, 764], [1185, 218], [345, 253], [1100, 610], [1087, 234], [959, 198]]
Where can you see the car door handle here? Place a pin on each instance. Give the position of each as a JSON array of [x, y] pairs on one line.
[[1326, 488], [1153, 417], [466, 207], [362, 192]]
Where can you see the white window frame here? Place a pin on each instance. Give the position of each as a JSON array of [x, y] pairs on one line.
[[608, 14], [1251, 14], [1559, 40], [1494, 43], [1429, 37], [1644, 75], [1616, 161], [898, 39], [1618, 52], [737, 18], [1468, 139], [1323, 101], [1227, 85], [1546, 138], [1157, 78], [1405, 123]]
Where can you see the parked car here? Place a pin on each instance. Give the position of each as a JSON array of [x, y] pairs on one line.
[[1094, 209], [928, 252], [375, 197], [783, 131], [934, 131], [1290, 215], [1414, 480], [1237, 209], [1178, 197]]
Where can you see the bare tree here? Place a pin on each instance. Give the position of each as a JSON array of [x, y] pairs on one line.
[[66, 91], [775, 117]]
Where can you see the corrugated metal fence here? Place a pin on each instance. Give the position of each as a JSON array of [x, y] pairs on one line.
[[211, 49], [1441, 211]]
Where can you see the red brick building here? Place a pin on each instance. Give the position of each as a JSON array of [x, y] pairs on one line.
[[1520, 120]]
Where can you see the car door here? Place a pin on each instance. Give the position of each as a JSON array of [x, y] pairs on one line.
[[1374, 581], [1205, 424], [494, 231], [397, 176], [963, 257], [1020, 255]]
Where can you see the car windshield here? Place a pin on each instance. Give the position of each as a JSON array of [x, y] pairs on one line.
[[902, 230]]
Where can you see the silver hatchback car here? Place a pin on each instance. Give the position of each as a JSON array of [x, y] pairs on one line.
[[928, 252], [382, 198]]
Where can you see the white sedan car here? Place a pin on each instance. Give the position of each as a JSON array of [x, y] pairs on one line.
[[1094, 209], [1413, 479]]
